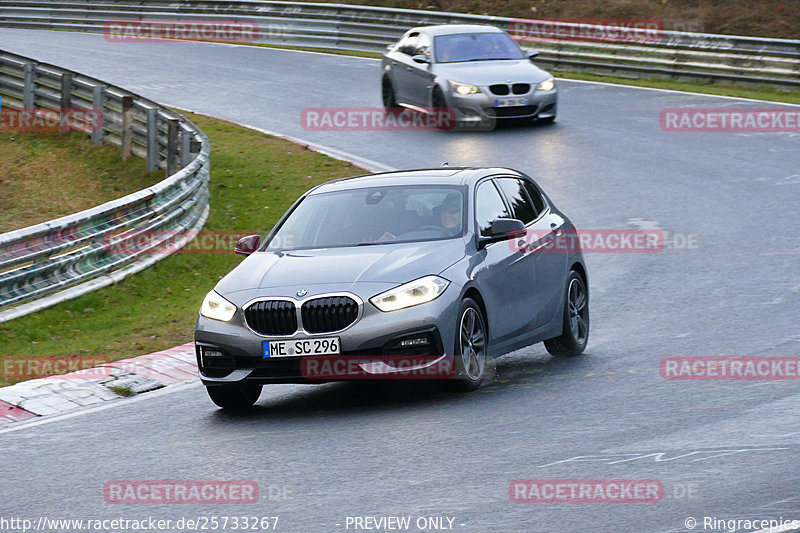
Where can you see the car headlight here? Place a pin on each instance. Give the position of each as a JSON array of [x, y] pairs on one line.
[[216, 307], [415, 292], [546, 85], [464, 88]]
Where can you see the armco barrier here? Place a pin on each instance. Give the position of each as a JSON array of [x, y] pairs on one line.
[[53, 261], [677, 55]]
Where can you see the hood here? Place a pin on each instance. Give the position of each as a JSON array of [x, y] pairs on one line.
[[490, 72], [387, 263]]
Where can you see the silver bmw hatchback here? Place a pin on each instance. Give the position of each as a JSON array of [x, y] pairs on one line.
[[477, 72], [409, 274]]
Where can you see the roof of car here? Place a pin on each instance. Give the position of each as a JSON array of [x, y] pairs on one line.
[[449, 29], [423, 176]]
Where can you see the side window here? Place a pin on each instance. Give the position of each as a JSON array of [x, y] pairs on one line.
[[536, 196], [488, 206], [409, 44], [423, 46], [521, 206]]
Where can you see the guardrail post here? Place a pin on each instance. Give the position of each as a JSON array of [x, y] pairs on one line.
[[172, 145], [66, 102], [152, 139], [186, 147], [28, 94], [127, 123], [98, 103]]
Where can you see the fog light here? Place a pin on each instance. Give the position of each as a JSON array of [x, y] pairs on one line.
[[420, 341], [210, 352]]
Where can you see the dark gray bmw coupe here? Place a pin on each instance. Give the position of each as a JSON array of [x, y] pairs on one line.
[[399, 274]]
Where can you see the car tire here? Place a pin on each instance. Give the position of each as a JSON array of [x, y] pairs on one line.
[[234, 397], [388, 94], [437, 99], [575, 333], [470, 361], [439, 103]]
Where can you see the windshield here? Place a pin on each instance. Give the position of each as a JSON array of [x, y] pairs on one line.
[[475, 47], [370, 216]]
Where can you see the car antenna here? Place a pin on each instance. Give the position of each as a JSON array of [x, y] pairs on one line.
[[445, 164]]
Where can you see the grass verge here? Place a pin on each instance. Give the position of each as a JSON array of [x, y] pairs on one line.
[[254, 179], [720, 89], [46, 175]]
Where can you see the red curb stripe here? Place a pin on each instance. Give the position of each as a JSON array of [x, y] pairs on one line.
[[11, 413]]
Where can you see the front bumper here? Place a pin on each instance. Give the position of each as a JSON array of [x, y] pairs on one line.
[[483, 106], [375, 336]]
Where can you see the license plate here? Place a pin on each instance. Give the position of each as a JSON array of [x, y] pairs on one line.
[[299, 347], [506, 102]]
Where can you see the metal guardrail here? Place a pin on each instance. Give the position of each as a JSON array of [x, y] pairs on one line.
[[53, 261], [678, 55]]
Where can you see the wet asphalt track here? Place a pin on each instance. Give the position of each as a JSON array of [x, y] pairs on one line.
[[406, 449]]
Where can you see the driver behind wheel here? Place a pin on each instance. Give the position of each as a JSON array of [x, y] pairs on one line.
[[450, 213]]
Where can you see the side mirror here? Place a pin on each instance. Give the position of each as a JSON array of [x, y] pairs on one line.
[[532, 54], [502, 229], [506, 227], [247, 245], [389, 47], [420, 59]]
